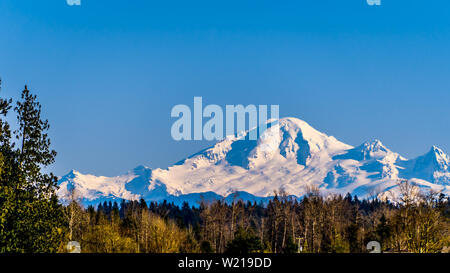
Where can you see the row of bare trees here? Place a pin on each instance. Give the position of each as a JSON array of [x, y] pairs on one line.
[[417, 222]]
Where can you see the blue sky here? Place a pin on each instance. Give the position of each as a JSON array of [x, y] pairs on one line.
[[109, 72]]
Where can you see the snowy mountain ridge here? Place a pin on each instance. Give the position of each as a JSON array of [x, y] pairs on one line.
[[292, 156]]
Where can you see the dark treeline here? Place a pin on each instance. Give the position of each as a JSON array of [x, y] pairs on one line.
[[319, 224]]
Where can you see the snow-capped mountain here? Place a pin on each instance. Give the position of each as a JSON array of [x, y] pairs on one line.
[[290, 155]]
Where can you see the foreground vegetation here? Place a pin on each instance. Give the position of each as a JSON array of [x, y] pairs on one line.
[[32, 220], [332, 224]]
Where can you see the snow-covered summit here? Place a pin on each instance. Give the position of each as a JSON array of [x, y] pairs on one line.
[[432, 166], [439, 158], [290, 154]]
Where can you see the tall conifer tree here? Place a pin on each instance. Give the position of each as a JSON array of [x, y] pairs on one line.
[[31, 218]]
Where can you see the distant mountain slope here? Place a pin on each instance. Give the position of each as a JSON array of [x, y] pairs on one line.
[[292, 156]]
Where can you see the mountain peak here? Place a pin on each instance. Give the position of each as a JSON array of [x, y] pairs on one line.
[[303, 126], [289, 137], [142, 170], [433, 166], [290, 154], [441, 158], [435, 149], [311, 135], [374, 146], [297, 121], [370, 150], [377, 142]]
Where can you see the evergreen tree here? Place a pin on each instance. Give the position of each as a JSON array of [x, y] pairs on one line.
[[206, 247], [31, 218], [243, 243], [383, 231], [290, 247]]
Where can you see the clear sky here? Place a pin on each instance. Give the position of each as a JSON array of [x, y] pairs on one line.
[[109, 72]]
